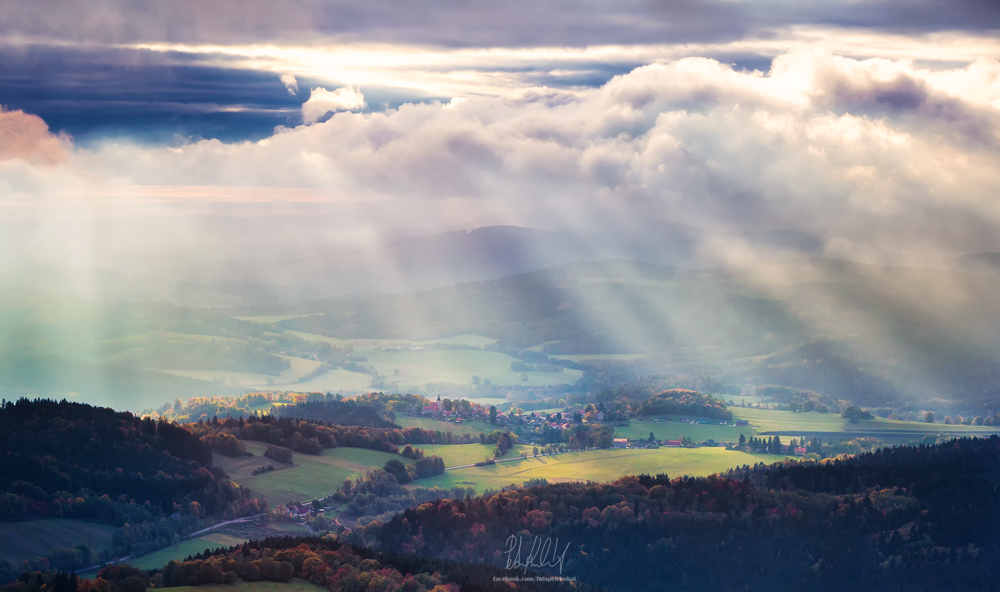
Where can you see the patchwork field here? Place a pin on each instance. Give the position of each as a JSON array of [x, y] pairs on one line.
[[31, 538], [831, 425], [597, 465], [309, 478]]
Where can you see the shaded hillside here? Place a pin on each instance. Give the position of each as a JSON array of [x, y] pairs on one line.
[[52, 448], [153, 480]]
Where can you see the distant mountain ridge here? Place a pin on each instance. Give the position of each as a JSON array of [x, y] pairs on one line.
[[292, 272]]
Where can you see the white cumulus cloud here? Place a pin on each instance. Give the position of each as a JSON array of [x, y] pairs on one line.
[[322, 101], [290, 83]]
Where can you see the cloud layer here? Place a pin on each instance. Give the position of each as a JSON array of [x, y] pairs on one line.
[[873, 152], [322, 101], [516, 23], [26, 137]]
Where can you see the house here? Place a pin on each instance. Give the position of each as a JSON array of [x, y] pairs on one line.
[[673, 443], [296, 510], [742, 422], [599, 416], [704, 421], [621, 443], [434, 408], [800, 451]]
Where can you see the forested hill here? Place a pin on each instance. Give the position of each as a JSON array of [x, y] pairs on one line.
[[74, 460], [909, 518]]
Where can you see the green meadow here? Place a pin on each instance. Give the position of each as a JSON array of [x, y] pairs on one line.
[[463, 454], [185, 549], [473, 428], [310, 477], [226, 536], [31, 538], [827, 425], [676, 429], [769, 420], [597, 465]]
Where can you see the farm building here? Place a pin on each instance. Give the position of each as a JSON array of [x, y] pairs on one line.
[[621, 443]]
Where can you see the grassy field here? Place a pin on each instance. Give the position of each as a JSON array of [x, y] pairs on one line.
[[226, 536], [309, 478], [31, 538], [185, 549], [767, 420], [466, 427], [486, 400], [597, 465], [464, 454], [314, 337], [600, 357], [675, 430], [270, 319], [293, 586], [828, 425]]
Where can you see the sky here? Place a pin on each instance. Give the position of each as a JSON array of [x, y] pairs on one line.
[[874, 124]]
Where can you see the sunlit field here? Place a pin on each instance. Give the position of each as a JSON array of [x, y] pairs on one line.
[[465, 454], [677, 429], [598, 465], [310, 477], [473, 428], [830, 425]]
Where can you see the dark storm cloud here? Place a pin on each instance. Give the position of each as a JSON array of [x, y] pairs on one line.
[[470, 23]]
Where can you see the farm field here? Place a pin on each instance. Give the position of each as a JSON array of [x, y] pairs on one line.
[[472, 428], [309, 478], [293, 586], [675, 430], [185, 549], [225, 536], [598, 357], [270, 319], [464, 454], [314, 337], [31, 538], [486, 400], [769, 420], [598, 465], [830, 426]]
